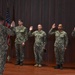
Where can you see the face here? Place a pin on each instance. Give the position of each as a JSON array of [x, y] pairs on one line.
[[20, 23], [60, 27], [39, 27]]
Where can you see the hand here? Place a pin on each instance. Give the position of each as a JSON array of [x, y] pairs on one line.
[[13, 24], [43, 47], [31, 28], [65, 48], [53, 26], [23, 44]]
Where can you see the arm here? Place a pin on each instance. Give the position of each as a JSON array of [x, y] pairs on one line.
[[51, 31], [66, 40], [9, 31], [45, 40], [31, 33], [26, 35]]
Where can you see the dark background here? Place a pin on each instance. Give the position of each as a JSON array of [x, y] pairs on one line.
[[46, 12]]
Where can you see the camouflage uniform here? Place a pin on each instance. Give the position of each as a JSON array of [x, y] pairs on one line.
[[4, 32], [61, 41], [21, 36], [39, 45]]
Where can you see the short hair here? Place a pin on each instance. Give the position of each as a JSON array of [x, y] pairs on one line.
[[40, 24], [20, 20], [60, 24], [1, 18]]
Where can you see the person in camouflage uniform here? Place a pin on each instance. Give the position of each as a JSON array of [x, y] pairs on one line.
[[4, 32], [61, 42], [39, 45], [73, 32], [21, 37]]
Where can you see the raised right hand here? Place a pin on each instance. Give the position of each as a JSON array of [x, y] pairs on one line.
[[13, 24], [31, 28], [53, 26]]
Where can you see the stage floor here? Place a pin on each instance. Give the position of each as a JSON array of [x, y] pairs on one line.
[[27, 69]]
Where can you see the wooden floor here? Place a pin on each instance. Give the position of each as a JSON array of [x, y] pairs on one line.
[[29, 69]]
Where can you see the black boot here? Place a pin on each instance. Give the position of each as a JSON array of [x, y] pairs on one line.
[[21, 63], [17, 63], [57, 67], [61, 66]]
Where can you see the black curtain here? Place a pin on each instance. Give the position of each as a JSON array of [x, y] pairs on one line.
[[46, 12]]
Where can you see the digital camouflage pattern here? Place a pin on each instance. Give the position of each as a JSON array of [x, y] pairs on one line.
[[4, 32], [73, 33], [61, 42], [39, 45], [21, 36]]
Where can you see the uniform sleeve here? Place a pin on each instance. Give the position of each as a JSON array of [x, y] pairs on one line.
[[73, 33], [9, 31], [66, 40], [26, 34], [51, 31], [45, 39], [31, 33]]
